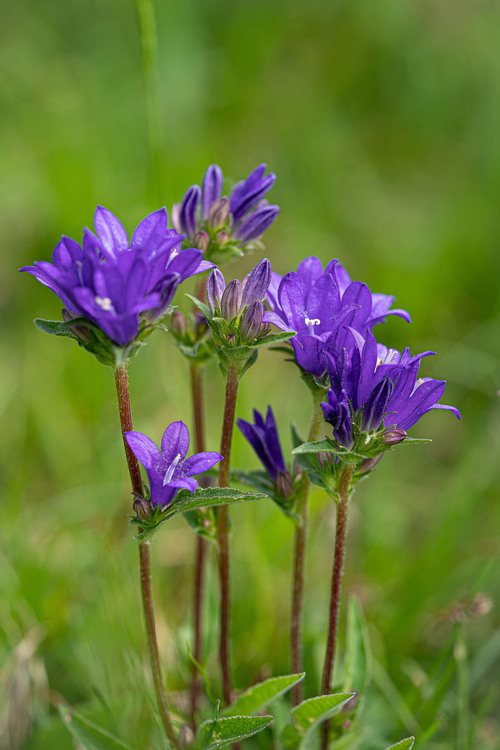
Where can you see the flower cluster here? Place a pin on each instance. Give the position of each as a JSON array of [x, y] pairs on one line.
[[222, 226], [115, 283], [168, 469], [318, 305]]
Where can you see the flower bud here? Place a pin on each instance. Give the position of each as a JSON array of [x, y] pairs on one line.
[[216, 285], [202, 240], [187, 213], [256, 223], [252, 321], [284, 485], [200, 326], [175, 217], [230, 339], [376, 404], [368, 464], [211, 189], [230, 303], [142, 508], [219, 213], [178, 323], [222, 238], [257, 283], [394, 437]]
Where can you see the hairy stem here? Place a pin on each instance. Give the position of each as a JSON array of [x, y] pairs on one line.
[[299, 560], [201, 543], [223, 531], [122, 391], [338, 561]]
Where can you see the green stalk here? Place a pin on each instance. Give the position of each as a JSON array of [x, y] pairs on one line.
[[299, 561], [122, 391]]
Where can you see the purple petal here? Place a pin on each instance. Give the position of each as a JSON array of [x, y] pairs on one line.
[[323, 302], [200, 462], [143, 448], [110, 230], [310, 269], [184, 483], [151, 231], [275, 320], [448, 408], [186, 263], [175, 442], [291, 295], [211, 188]]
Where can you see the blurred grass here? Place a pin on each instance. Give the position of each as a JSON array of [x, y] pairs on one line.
[[381, 121]]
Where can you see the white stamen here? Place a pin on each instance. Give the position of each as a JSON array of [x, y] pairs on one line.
[[174, 254], [104, 302], [311, 322], [170, 471]]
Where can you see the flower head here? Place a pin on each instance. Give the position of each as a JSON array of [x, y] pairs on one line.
[[167, 468], [378, 384], [319, 304], [264, 439], [115, 283], [222, 225]]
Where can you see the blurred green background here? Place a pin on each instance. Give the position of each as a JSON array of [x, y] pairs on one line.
[[381, 120]]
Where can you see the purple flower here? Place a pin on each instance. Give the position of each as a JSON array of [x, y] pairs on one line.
[[318, 305], [116, 283], [379, 383], [337, 413], [168, 469], [264, 439], [230, 221]]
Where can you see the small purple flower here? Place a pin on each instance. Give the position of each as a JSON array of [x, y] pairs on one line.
[[168, 469], [380, 383], [231, 221], [264, 439], [116, 283], [337, 413], [318, 305]]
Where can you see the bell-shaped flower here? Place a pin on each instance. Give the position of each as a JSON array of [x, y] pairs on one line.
[[263, 436], [168, 469], [114, 282]]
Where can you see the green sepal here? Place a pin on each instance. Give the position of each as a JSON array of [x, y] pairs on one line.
[[220, 732], [87, 734], [406, 744], [187, 501], [255, 698]]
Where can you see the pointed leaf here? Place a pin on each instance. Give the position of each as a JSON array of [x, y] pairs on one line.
[[87, 734], [54, 328], [357, 661], [201, 306], [258, 696], [327, 446], [220, 732], [406, 744], [412, 441], [310, 714]]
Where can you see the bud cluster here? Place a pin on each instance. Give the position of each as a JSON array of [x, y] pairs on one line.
[[226, 226]]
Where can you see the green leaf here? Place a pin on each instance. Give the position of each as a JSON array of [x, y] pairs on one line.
[[357, 661], [258, 696], [406, 744], [200, 498], [310, 714], [87, 734], [412, 441], [220, 732], [200, 305], [327, 446], [54, 328]]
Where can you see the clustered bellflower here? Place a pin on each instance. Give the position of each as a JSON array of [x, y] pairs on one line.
[[223, 225], [263, 436], [371, 384], [116, 283], [167, 468], [318, 304]]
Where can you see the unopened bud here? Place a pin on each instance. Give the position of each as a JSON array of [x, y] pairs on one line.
[[142, 508], [187, 212], [222, 238], [200, 326], [368, 464], [175, 217], [211, 188], [394, 437], [81, 332], [230, 339], [230, 303], [216, 285], [252, 321], [376, 405], [257, 283], [186, 737], [219, 213], [202, 240], [178, 323], [284, 485]]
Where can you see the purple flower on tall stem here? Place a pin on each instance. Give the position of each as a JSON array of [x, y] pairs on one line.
[[319, 304], [114, 282], [264, 439], [168, 469], [213, 222], [378, 383]]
